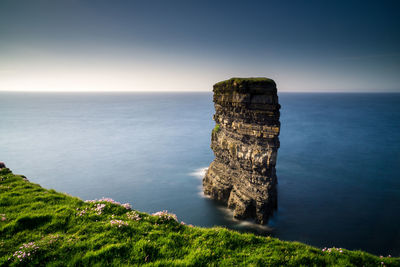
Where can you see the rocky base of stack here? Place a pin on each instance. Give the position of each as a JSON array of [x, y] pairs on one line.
[[245, 143]]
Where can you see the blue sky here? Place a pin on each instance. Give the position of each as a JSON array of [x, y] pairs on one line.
[[122, 45]]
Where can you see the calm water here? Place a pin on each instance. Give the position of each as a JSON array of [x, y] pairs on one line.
[[338, 165]]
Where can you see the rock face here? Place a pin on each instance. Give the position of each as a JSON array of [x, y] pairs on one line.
[[245, 143]]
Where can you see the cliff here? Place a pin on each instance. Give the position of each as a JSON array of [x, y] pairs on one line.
[[40, 227], [245, 143]]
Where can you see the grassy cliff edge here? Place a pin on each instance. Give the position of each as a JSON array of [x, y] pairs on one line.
[[45, 227]]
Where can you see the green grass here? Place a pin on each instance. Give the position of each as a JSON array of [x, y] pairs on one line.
[[246, 80], [259, 85], [46, 227], [216, 128]]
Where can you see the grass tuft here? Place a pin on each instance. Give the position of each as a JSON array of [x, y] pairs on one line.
[[216, 128]]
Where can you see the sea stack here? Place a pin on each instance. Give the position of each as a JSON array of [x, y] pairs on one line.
[[245, 143]]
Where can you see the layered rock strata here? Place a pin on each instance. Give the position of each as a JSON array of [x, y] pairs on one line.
[[245, 143]]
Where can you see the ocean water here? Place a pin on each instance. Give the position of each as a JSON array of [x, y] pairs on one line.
[[338, 166]]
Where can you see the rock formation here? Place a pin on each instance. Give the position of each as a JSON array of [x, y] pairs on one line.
[[245, 143]]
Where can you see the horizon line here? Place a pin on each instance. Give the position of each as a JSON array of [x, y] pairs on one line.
[[193, 91]]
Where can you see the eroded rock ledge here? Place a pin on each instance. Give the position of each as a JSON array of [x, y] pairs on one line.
[[245, 143]]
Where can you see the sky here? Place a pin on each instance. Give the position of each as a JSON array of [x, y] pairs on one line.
[[188, 45]]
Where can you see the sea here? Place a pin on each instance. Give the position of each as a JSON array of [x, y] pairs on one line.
[[338, 166]]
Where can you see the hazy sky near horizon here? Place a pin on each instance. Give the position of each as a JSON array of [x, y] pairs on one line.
[[122, 45]]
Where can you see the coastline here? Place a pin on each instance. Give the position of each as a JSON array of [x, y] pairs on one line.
[[43, 226]]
